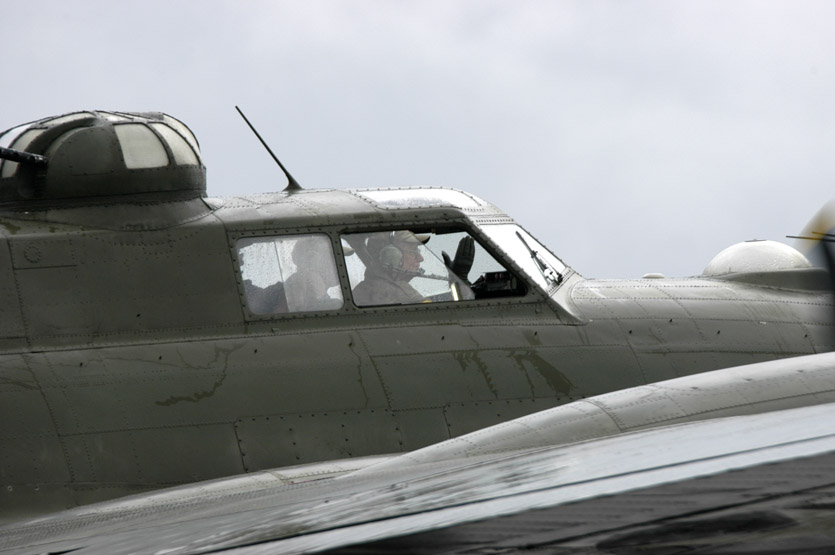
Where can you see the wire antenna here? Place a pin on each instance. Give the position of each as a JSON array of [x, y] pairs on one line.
[[292, 184]]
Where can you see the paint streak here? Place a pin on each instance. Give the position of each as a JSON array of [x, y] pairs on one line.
[[10, 227], [555, 378], [359, 370], [470, 360]]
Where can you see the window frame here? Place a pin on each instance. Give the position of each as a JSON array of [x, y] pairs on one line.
[[533, 292], [336, 253]]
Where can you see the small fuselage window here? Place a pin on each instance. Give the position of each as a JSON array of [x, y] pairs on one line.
[[290, 273], [406, 266]]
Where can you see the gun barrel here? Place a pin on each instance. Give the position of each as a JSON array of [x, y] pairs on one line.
[[23, 157]]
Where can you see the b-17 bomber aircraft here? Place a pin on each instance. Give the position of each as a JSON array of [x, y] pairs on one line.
[[375, 371]]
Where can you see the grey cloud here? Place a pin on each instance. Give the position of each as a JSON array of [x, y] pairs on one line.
[[630, 137]]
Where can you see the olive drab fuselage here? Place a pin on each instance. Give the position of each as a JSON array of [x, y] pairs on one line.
[[131, 359], [133, 356]]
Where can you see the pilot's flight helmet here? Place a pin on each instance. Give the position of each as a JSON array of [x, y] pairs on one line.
[[388, 247]]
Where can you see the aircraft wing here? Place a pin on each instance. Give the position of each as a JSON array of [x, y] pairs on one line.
[[732, 461]]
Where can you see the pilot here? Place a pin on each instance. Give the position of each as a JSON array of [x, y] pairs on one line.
[[307, 288], [394, 261]]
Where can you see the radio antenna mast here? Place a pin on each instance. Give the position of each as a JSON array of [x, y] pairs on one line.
[[292, 184]]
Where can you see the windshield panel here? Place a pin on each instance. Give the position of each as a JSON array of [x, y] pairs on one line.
[[543, 267]]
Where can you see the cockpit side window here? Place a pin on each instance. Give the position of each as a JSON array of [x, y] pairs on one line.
[[404, 266], [290, 273]]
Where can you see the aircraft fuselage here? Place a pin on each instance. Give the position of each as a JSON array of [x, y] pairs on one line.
[[131, 360], [152, 336]]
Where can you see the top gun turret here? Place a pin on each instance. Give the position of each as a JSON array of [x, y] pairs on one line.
[[100, 156]]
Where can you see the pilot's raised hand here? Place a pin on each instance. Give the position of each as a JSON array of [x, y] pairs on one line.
[[463, 262]]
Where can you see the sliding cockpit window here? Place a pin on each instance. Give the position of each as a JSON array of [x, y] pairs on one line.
[[405, 266], [289, 273]]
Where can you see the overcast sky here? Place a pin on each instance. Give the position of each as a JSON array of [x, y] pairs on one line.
[[630, 137]]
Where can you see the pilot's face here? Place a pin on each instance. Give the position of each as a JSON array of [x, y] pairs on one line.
[[411, 256]]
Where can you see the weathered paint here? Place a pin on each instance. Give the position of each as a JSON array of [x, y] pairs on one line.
[[130, 361]]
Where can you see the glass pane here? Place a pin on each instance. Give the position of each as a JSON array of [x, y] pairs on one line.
[[263, 281], [12, 134], [487, 277], [21, 143], [404, 198], [181, 128], [448, 243], [537, 261], [295, 273], [183, 154], [402, 267], [140, 147], [394, 267]]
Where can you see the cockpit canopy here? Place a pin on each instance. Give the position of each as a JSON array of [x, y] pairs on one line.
[[104, 155]]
